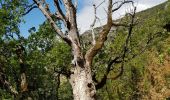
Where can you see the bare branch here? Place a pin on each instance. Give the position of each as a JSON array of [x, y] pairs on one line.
[[114, 61], [95, 16], [130, 28], [104, 79], [134, 55], [121, 4], [59, 12], [60, 15], [92, 25], [102, 36], [29, 9], [126, 43], [94, 21], [56, 28], [70, 13], [93, 36], [100, 4]]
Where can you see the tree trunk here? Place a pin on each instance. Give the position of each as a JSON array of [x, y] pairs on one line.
[[80, 78], [23, 78], [82, 84]]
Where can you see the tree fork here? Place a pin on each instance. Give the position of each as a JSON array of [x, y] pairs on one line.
[[80, 77]]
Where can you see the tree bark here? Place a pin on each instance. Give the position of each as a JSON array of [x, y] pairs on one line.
[[80, 77], [82, 84]]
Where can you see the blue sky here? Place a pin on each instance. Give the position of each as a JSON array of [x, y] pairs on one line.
[[85, 14]]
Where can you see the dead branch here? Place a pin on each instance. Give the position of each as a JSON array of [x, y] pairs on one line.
[[116, 60], [102, 36], [121, 4], [94, 21], [70, 14], [100, 4], [104, 79], [126, 43], [49, 18], [92, 25], [29, 8], [59, 14]]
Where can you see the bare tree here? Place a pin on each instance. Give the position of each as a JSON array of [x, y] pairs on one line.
[[80, 75]]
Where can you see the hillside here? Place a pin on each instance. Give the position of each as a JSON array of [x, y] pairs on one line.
[[153, 65]]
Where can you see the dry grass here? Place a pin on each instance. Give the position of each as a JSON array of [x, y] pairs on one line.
[[156, 75]]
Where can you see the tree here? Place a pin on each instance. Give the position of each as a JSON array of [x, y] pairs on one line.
[[35, 66], [80, 74], [9, 19], [12, 53]]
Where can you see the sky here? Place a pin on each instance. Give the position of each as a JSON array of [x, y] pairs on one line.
[[85, 13]]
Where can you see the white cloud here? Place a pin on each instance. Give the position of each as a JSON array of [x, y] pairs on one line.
[[84, 18], [86, 14]]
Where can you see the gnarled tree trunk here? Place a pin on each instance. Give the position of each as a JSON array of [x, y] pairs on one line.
[[82, 84], [80, 77]]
